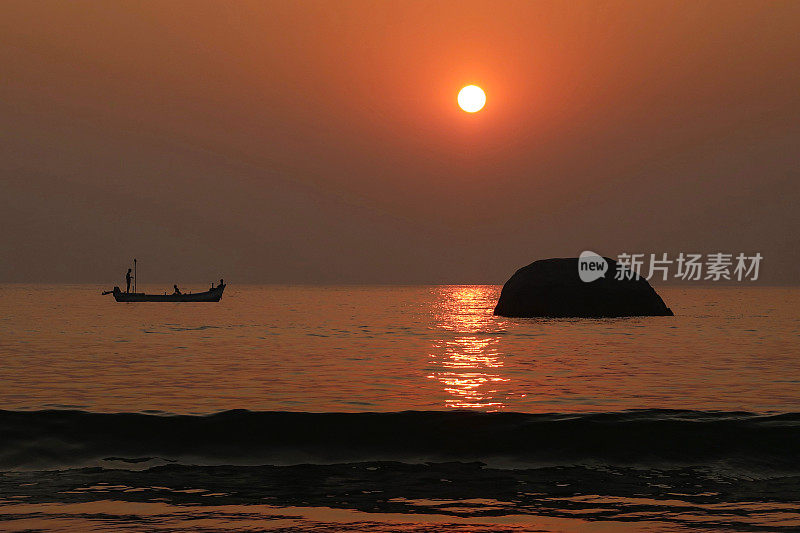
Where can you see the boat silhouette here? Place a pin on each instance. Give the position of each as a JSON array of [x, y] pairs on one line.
[[211, 295]]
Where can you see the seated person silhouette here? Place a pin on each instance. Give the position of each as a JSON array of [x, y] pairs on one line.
[[221, 283], [177, 290]]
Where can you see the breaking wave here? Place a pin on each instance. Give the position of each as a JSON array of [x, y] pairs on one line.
[[64, 439]]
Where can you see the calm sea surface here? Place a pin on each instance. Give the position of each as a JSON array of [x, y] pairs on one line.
[[329, 349], [120, 415]]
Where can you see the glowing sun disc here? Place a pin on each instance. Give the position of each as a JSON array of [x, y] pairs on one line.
[[471, 98]]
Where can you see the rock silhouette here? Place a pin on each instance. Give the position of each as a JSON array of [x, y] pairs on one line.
[[552, 288]]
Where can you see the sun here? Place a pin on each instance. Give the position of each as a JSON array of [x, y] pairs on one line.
[[471, 98]]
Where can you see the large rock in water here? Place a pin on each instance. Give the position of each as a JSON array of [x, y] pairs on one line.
[[553, 288]]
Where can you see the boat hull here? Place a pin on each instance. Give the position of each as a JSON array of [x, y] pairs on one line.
[[213, 295]]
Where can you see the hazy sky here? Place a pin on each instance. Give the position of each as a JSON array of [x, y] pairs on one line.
[[321, 141]]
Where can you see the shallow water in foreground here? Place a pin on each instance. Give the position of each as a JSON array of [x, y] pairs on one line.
[[396, 409]]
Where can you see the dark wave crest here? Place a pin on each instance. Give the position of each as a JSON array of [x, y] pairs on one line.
[[58, 439]]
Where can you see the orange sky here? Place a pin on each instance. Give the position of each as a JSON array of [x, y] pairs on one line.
[[321, 141]]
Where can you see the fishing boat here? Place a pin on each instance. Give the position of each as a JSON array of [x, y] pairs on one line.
[[214, 294], [211, 295]]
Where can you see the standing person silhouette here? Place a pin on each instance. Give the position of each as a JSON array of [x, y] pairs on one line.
[[128, 281]]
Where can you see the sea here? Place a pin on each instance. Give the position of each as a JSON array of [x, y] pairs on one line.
[[396, 408]]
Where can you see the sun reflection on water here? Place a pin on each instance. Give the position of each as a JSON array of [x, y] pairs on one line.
[[468, 364]]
